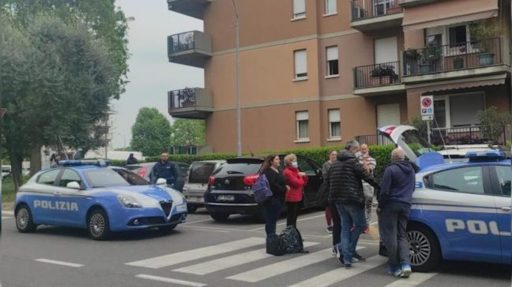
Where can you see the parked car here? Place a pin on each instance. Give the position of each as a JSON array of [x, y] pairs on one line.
[[6, 171], [99, 198], [460, 210], [196, 182], [144, 170], [230, 187]]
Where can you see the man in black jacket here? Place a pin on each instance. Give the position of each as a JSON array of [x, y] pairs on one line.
[[165, 169], [346, 191]]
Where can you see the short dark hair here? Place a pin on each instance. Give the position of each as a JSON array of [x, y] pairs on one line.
[[350, 144]]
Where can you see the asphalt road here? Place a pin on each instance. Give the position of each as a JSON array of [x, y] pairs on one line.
[[205, 253]]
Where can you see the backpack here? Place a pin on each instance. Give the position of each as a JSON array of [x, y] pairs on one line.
[[275, 245], [292, 240], [261, 189]]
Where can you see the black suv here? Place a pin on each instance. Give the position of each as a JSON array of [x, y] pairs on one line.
[[230, 187]]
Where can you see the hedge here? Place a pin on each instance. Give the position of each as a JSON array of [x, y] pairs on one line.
[[381, 153]]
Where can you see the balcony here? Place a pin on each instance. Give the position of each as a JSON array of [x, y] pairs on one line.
[[192, 8], [468, 59], [190, 103], [192, 48], [369, 15], [412, 3], [377, 79]]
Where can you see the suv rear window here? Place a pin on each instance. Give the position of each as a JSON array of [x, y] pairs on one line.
[[238, 168], [200, 171]]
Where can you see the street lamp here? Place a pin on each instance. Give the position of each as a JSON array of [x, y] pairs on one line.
[[237, 72]]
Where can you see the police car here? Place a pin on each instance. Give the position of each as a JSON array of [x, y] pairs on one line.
[[461, 211], [103, 199]]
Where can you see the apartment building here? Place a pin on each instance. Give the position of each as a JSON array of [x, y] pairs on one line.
[[319, 72]]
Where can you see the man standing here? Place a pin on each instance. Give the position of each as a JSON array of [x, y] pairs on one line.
[[131, 159], [346, 191], [164, 169], [395, 198], [369, 164]]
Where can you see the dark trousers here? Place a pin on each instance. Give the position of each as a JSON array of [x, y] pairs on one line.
[[291, 213], [393, 225], [272, 208], [336, 225]]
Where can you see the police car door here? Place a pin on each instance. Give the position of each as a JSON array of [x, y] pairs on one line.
[[461, 208], [69, 203], [41, 194], [502, 187]]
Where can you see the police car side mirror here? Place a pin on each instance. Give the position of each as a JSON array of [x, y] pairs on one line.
[[161, 181], [73, 185]]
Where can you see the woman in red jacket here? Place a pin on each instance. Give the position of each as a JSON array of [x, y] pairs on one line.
[[296, 180]]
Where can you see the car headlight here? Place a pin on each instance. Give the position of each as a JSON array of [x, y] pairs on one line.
[[129, 201]]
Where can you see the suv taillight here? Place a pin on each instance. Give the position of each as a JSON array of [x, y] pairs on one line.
[[211, 180], [250, 180], [142, 172]]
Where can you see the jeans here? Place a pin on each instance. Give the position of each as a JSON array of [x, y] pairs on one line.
[[272, 208], [393, 225], [291, 213], [353, 223]]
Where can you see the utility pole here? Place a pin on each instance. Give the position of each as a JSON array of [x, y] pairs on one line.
[[237, 72]]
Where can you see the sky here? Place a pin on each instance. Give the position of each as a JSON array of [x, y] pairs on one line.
[[151, 74]]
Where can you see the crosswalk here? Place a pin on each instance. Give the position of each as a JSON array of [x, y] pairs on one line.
[[6, 215], [235, 255]]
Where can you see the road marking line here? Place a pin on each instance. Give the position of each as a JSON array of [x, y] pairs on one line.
[[338, 275], [415, 280], [283, 222], [210, 230], [10, 213], [230, 261], [198, 253], [63, 263], [6, 217], [170, 280], [282, 267], [198, 221]]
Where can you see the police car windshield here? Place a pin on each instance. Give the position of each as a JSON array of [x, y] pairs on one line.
[[107, 177]]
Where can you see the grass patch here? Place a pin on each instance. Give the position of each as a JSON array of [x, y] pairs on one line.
[[8, 193]]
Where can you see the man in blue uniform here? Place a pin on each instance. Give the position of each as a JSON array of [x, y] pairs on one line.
[[164, 169]]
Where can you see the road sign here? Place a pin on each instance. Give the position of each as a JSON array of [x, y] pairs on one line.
[[427, 108]]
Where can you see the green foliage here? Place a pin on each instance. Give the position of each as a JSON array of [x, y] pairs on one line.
[[493, 122], [151, 132], [421, 126], [188, 132]]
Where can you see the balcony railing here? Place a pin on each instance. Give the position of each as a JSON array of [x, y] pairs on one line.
[[189, 48], [446, 58], [192, 103], [377, 75], [373, 140], [468, 135], [365, 9]]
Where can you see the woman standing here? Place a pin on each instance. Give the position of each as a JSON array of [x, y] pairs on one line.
[[328, 211], [296, 180], [274, 204]]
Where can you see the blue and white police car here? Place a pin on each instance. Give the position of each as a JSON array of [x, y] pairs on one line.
[[461, 211], [101, 198]]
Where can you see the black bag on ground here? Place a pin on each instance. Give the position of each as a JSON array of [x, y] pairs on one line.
[[292, 240], [275, 245]]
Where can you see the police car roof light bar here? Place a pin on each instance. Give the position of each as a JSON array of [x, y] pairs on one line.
[[488, 155], [100, 162]]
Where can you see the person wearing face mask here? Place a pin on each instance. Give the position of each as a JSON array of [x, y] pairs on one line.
[[296, 180]]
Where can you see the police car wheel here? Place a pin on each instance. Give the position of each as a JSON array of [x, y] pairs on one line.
[[219, 216], [167, 228], [97, 225], [24, 221], [425, 253]]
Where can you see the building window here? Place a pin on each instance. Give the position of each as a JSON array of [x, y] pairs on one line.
[[299, 9], [330, 7], [334, 124], [332, 61], [458, 35], [302, 119], [301, 64]]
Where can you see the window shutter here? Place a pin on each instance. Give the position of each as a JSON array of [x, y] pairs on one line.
[[330, 6], [334, 116], [301, 66], [302, 116], [332, 53], [299, 7]]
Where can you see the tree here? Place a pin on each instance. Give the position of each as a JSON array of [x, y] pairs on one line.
[[58, 73], [151, 132], [188, 133]]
